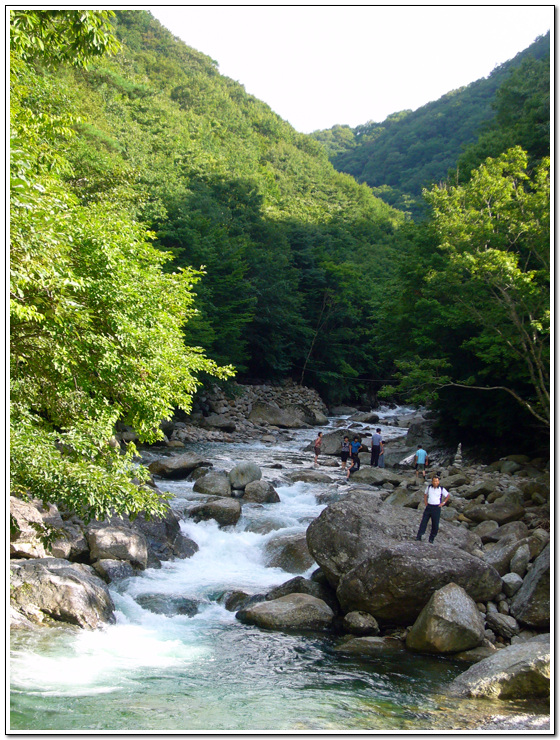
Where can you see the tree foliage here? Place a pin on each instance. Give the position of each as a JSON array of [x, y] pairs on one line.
[[96, 323], [481, 311]]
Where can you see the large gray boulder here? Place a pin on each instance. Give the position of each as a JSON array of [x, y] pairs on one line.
[[261, 492], [289, 552], [225, 511], [243, 474], [396, 583], [376, 476], [52, 590], [218, 421], [214, 483], [449, 623], [117, 543], [361, 525], [263, 413], [164, 538], [519, 671], [301, 585], [177, 466], [38, 530], [292, 612], [308, 476], [332, 441], [531, 604], [502, 513]]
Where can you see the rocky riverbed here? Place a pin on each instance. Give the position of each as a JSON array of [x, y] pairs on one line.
[[480, 594]]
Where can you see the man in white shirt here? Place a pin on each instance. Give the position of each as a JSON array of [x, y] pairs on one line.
[[435, 497]]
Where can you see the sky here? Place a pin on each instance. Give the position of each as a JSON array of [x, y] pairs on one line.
[[317, 66]]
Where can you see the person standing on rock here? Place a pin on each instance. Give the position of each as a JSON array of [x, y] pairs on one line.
[[381, 463], [420, 459], [355, 447], [317, 446], [375, 448], [345, 452], [435, 497]]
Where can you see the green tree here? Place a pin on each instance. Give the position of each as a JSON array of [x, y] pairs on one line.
[[489, 285], [96, 323]]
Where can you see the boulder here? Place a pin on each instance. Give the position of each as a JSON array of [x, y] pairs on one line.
[[164, 537], [517, 528], [500, 554], [376, 476], [177, 467], [218, 421], [289, 552], [474, 491], [52, 590], [397, 582], [117, 543], [214, 483], [167, 604], [114, 570], [38, 530], [360, 624], [406, 498], [263, 413], [301, 585], [360, 525], [225, 511], [520, 559], [486, 529], [531, 604], [26, 529], [244, 473], [449, 623], [502, 513], [365, 417], [369, 645], [261, 492], [292, 612], [515, 672], [454, 481], [332, 441], [511, 583], [502, 624], [308, 476]]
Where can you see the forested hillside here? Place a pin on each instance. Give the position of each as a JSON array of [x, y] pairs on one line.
[[293, 251], [411, 150]]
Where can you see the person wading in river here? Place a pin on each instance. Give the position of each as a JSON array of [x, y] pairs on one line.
[[435, 497], [317, 446], [345, 452]]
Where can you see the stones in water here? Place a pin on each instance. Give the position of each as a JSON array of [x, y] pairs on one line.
[[449, 623], [225, 511], [177, 467], [214, 483], [519, 671], [244, 473], [168, 605], [51, 590], [289, 552], [292, 612]]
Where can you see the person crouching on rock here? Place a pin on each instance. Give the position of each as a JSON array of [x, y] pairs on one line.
[[435, 496], [352, 469], [317, 446]]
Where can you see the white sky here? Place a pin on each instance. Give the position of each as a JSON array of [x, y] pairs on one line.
[[317, 66]]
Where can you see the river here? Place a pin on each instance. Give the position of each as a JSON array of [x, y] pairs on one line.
[[177, 673]]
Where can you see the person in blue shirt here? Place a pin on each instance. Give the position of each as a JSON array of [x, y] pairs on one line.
[[355, 447], [420, 461]]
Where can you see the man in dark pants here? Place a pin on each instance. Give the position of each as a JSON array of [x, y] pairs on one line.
[[435, 497], [375, 447]]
